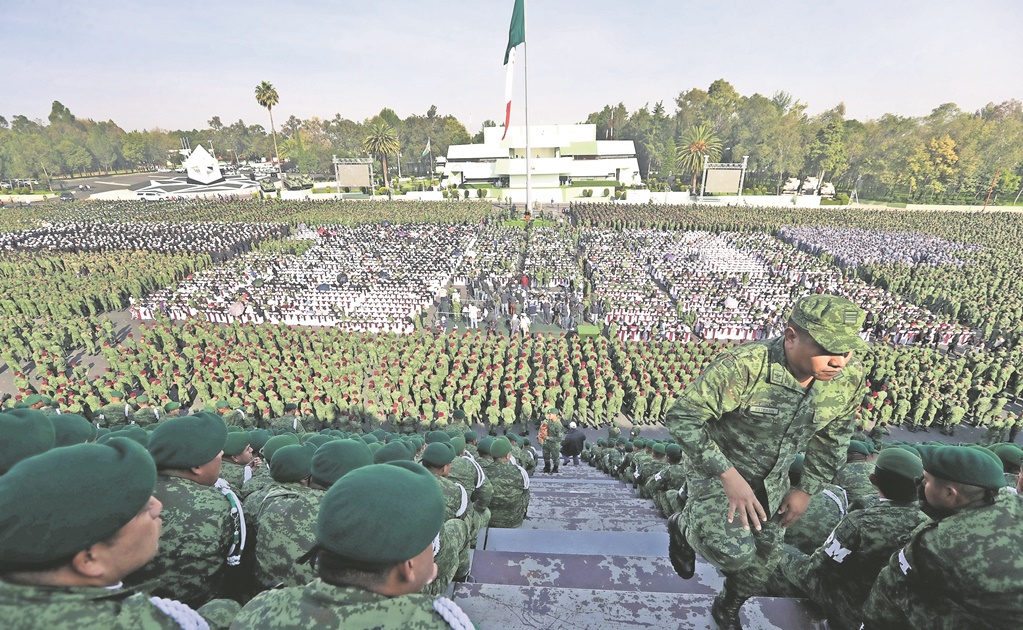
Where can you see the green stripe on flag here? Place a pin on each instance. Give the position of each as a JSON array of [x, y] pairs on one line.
[[517, 30]]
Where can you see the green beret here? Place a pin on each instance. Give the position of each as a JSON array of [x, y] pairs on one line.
[[116, 395], [134, 433], [834, 322], [601, 442], [401, 511], [500, 447], [236, 442], [375, 446], [290, 406], [291, 463], [659, 449], [796, 467], [370, 439], [673, 450], [335, 459], [459, 414], [861, 448], [26, 432], [101, 431], [83, 494], [142, 399], [34, 399], [379, 434], [172, 406], [484, 444], [182, 443], [628, 448], [470, 437], [525, 441], [276, 442], [234, 428], [71, 428], [258, 438], [965, 465], [459, 443], [222, 404], [439, 454], [1010, 455], [552, 411], [391, 452], [437, 436], [900, 462]]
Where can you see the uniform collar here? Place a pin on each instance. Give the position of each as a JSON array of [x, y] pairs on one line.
[[779, 374]]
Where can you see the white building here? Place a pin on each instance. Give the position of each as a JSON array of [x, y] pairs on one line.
[[201, 167], [565, 161]]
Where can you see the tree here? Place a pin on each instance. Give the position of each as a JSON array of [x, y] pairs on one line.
[[381, 141], [266, 96], [698, 141], [827, 151]]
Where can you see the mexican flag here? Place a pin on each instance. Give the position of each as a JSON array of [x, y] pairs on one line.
[[516, 36], [426, 151]]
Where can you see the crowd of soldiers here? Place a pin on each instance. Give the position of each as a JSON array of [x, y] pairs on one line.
[[325, 520]]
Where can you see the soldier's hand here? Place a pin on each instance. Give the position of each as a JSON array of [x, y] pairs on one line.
[[255, 463], [742, 499], [793, 506]]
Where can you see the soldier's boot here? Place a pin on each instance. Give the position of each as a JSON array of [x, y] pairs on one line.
[[547, 467], [725, 610], [555, 467], [681, 554]]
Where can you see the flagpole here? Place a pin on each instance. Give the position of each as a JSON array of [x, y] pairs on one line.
[[525, 96]]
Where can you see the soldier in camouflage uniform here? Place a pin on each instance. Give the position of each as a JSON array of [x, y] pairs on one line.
[[146, 414], [455, 538], [550, 435], [962, 569], [469, 474], [511, 487], [372, 562], [68, 574], [201, 523], [839, 574], [823, 513], [239, 461], [663, 487], [854, 476], [743, 420]]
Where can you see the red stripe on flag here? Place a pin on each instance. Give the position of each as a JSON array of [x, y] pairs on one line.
[[507, 119]]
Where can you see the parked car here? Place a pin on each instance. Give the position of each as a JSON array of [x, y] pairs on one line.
[[67, 195], [151, 195]]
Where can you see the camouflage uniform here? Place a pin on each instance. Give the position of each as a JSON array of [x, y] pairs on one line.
[[824, 511], [960, 572], [234, 474], [748, 411], [838, 575], [854, 478], [321, 605], [551, 446], [86, 608], [511, 494], [197, 534], [285, 530], [452, 559], [467, 473]]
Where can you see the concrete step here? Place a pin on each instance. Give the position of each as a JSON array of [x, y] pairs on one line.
[[601, 572], [576, 542], [584, 507], [596, 523], [521, 607]]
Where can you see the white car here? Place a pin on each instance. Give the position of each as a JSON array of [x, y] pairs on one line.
[[151, 195]]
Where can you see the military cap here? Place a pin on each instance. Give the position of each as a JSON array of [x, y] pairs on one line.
[[379, 434], [458, 442], [34, 399], [290, 406], [116, 395], [965, 465], [257, 438], [335, 459], [500, 447], [236, 442], [401, 511], [291, 463], [188, 441], [860, 448], [317, 439], [71, 428], [172, 406], [390, 452], [83, 494], [525, 441], [26, 432], [375, 446], [660, 449], [471, 437], [459, 414], [834, 322], [628, 448], [370, 439], [796, 467], [437, 436], [134, 433], [276, 442], [601, 442], [222, 404], [439, 454], [900, 462], [142, 399], [484, 444], [101, 431], [552, 411], [1010, 455], [673, 450], [453, 432]]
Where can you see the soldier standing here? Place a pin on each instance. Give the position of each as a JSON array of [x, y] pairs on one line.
[[549, 437]]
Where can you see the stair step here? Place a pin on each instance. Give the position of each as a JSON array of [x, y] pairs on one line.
[[573, 481], [588, 507], [621, 524], [519, 607], [602, 572], [577, 542]]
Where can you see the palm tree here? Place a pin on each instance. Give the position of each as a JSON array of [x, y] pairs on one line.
[[266, 95], [697, 143], [381, 141]]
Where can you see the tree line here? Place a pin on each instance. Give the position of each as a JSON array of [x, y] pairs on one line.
[[947, 156]]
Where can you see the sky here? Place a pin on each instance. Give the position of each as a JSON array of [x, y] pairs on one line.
[[175, 65]]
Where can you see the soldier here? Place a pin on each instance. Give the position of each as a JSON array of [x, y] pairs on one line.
[[961, 570], [839, 574], [202, 523], [854, 476], [823, 513], [372, 562], [102, 522], [455, 537], [511, 487], [549, 437], [469, 474], [239, 461], [742, 421], [1011, 457], [147, 414]]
